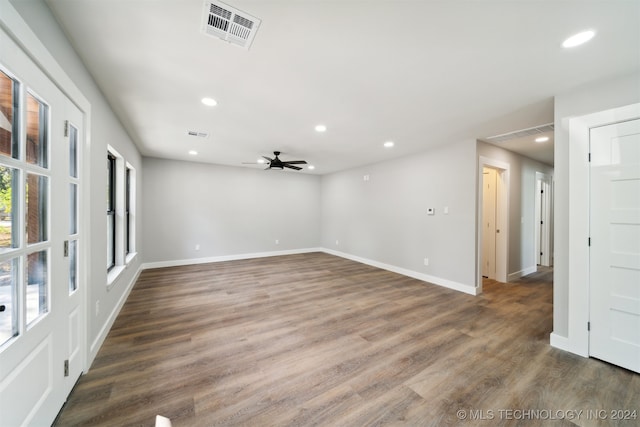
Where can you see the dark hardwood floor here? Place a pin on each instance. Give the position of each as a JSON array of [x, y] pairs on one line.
[[314, 339]]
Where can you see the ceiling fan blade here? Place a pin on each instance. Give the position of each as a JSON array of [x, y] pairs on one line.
[[286, 165], [266, 158], [295, 162], [251, 163]]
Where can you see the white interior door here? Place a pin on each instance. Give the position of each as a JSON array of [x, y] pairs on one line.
[[543, 220], [615, 244], [489, 209], [42, 325]]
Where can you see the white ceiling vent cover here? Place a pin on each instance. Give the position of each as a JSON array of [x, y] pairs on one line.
[[229, 24], [521, 133]]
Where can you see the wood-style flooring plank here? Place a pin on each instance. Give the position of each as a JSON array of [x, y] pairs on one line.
[[316, 340]]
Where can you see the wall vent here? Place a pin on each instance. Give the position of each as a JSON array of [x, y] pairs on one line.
[[229, 24], [520, 133], [197, 134]]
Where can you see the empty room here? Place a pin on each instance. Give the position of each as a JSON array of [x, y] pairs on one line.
[[331, 213]]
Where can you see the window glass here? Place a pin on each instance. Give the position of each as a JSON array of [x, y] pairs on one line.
[[37, 117], [73, 151], [73, 208], [111, 211], [8, 117], [127, 216], [73, 265], [36, 196], [8, 300], [8, 206], [37, 295]]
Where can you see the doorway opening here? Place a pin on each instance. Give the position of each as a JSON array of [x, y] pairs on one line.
[[493, 220], [543, 221]]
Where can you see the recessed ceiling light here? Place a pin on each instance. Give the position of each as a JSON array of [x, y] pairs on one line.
[[193, 152], [542, 139], [389, 144], [578, 39], [209, 102], [321, 128], [311, 167]]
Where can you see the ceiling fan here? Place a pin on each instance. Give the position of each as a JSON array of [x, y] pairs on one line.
[[276, 163]]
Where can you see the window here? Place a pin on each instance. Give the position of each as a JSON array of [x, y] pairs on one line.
[[74, 212], [129, 211], [111, 211], [121, 184], [24, 208]]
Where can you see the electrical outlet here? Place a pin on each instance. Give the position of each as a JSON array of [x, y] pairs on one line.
[[445, 210], [426, 261], [197, 247], [277, 242], [337, 242]]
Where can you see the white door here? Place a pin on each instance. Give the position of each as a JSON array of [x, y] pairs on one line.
[[543, 220], [489, 208], [615, 244], [42, 325]]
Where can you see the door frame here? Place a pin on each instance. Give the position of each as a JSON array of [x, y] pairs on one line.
[[502, 218], [579, 201]]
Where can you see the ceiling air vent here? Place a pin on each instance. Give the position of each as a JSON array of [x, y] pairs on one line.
[[520, 133], [197, 134], [229, 24]]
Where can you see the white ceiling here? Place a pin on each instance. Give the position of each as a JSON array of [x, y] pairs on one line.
[[420, 73]]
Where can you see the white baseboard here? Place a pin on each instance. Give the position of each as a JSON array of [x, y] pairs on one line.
[[522, 273], [472, 290], [176, 263], [558, 341], [106, 327]]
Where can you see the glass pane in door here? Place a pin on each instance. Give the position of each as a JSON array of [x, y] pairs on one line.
[[37, 189], [8, 300], [37, 294]]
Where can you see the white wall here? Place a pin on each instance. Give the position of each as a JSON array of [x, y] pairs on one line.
[[590, 98], [105, 129], [521, 253], [384, 220], [228, 211]]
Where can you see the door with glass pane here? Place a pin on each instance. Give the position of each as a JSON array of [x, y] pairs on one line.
[[41, 298]]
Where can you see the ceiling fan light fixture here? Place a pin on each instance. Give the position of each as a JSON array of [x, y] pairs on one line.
[[578, 39], [311, 167]]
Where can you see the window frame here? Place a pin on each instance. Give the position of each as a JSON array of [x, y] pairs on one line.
[[111, 210]]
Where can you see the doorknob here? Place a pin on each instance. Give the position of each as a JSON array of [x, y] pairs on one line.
[[2, 307]]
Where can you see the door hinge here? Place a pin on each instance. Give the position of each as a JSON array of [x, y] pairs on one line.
[[589, 157], [66, 368], [540, 253], [66, 248], [588, 326], [66, 128], [589, 241], [541, 222]]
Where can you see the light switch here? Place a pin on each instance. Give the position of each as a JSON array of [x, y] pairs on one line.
[[446, 210]]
